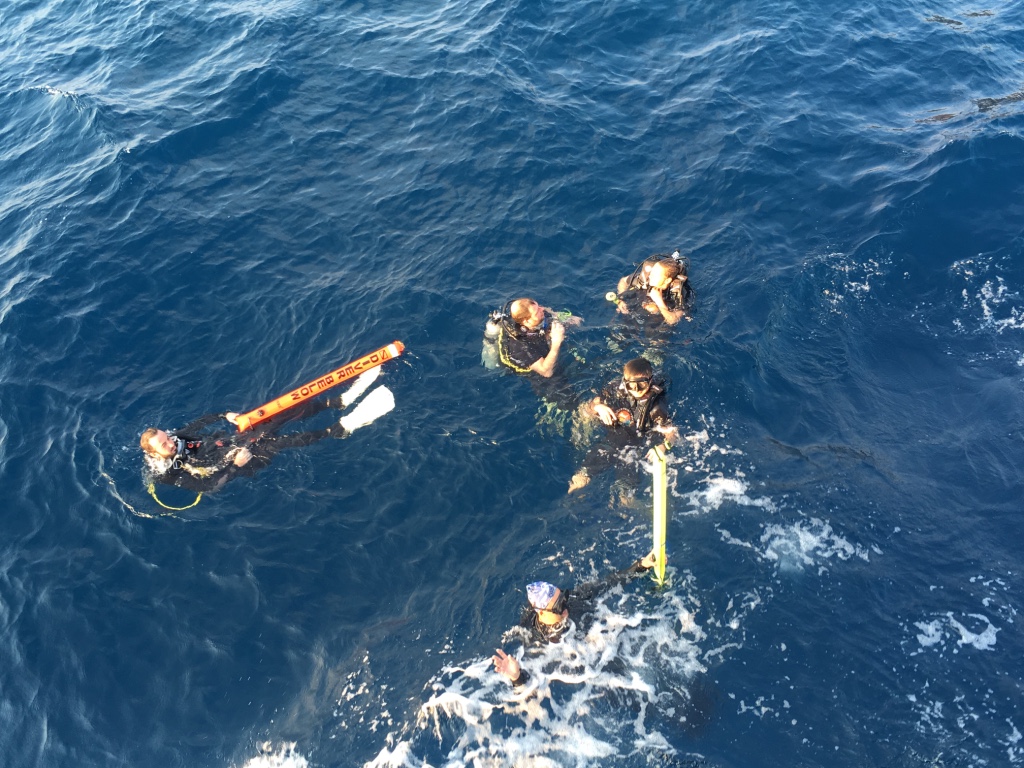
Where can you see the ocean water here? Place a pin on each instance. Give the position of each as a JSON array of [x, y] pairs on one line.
[[203, 205]]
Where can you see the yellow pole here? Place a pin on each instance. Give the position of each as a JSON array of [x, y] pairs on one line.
[[660, 493]]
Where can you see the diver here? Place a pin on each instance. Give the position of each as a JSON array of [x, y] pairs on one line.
[[192, 459], [659, 286], [632, 408], [551, 612], [528, 339]]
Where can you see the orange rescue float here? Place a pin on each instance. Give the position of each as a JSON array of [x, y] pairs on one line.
[[319, 385]]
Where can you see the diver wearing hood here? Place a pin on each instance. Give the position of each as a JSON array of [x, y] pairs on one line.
[[551, 612]]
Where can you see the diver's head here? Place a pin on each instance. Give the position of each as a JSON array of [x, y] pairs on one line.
[[663, 273], [156, 442], [637, 376], [548, 601], [528, 313]]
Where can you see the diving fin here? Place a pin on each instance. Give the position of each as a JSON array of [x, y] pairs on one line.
[[360, 385], [374, 405]]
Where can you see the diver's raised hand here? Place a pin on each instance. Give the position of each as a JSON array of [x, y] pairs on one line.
[[506, 665]]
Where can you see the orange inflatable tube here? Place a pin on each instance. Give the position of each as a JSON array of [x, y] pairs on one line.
[[318, 385]]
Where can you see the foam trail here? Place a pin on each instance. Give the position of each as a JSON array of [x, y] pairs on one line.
[[610, 694]]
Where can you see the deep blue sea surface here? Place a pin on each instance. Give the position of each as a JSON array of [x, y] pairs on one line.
[[206, 204]]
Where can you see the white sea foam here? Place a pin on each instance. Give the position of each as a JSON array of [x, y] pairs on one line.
[[987, 294], [362, 702], [601, 695], [55, 91], [991, 297], [985, 640], [279, 756], [936, 631], [1013, 752], [931, 633], [950, 651], [853, 278], [806, 543], [719, 489]]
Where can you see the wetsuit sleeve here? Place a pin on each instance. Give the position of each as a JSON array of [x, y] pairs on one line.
[[198, 424], [271, 444], [593, 589], [520, 681], [199, 483], [205, 470], [660, 414], [182, 479]]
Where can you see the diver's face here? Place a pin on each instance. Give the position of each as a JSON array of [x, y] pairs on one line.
[[556, 610], [659, 278], [637, 386], [536, 316], [163, 445]]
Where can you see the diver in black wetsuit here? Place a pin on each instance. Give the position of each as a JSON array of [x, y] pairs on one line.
[[632, 409], [200, 462], [658, 287], [529, 341], [551, 612], [530, 338]]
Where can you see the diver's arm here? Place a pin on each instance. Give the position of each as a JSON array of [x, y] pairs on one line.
[[204, 421], [670, 435], [210, 476], [594, 588], [668, 315], [623, 286], [663, 424], [509, 667], [545, 366], [194, 479], [603, 411]]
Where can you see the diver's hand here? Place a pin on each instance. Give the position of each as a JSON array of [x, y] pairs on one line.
[[557, 333], [603, 412], [579, 480], [232, 417], [505, 665], [649, 560], [242, 457], [657, 298], [657, 452], [669, 431]]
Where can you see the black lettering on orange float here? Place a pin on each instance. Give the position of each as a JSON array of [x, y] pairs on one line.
[[319, 385]]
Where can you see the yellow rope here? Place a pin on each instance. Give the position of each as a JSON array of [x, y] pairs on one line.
[[152, 492], [133, 510]]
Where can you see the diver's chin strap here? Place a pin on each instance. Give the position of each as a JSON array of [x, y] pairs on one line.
[[152, 492]]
